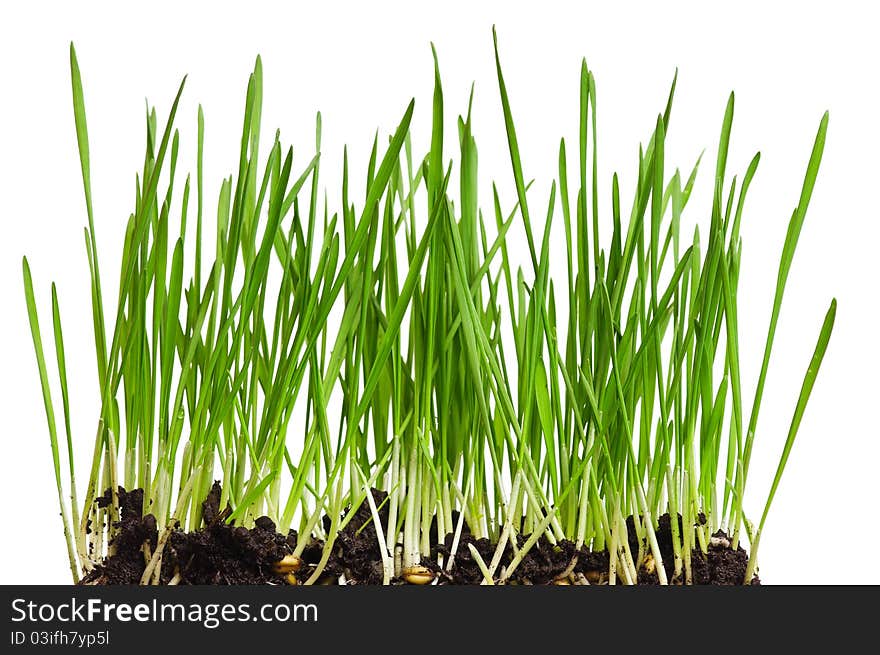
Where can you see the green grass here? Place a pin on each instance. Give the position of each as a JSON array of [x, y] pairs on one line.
[[404, 350]]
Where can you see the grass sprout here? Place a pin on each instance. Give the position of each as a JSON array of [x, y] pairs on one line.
[[319, 349]]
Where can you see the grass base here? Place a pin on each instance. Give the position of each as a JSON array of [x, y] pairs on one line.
[[221, 553]]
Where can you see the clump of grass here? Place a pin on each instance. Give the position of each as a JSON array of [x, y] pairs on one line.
[[468, 389]]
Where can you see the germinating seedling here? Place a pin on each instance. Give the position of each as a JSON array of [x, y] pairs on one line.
[[486, 400]]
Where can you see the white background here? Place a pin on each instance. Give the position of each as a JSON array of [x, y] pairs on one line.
[[360, 63]]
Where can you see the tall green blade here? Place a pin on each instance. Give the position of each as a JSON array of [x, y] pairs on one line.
[[50, 412], [803, 399], [82, 140]]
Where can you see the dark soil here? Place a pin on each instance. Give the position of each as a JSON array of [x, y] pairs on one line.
[[219, 553], [356, 550], [222, 553], [721, 565], [127, 564]]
